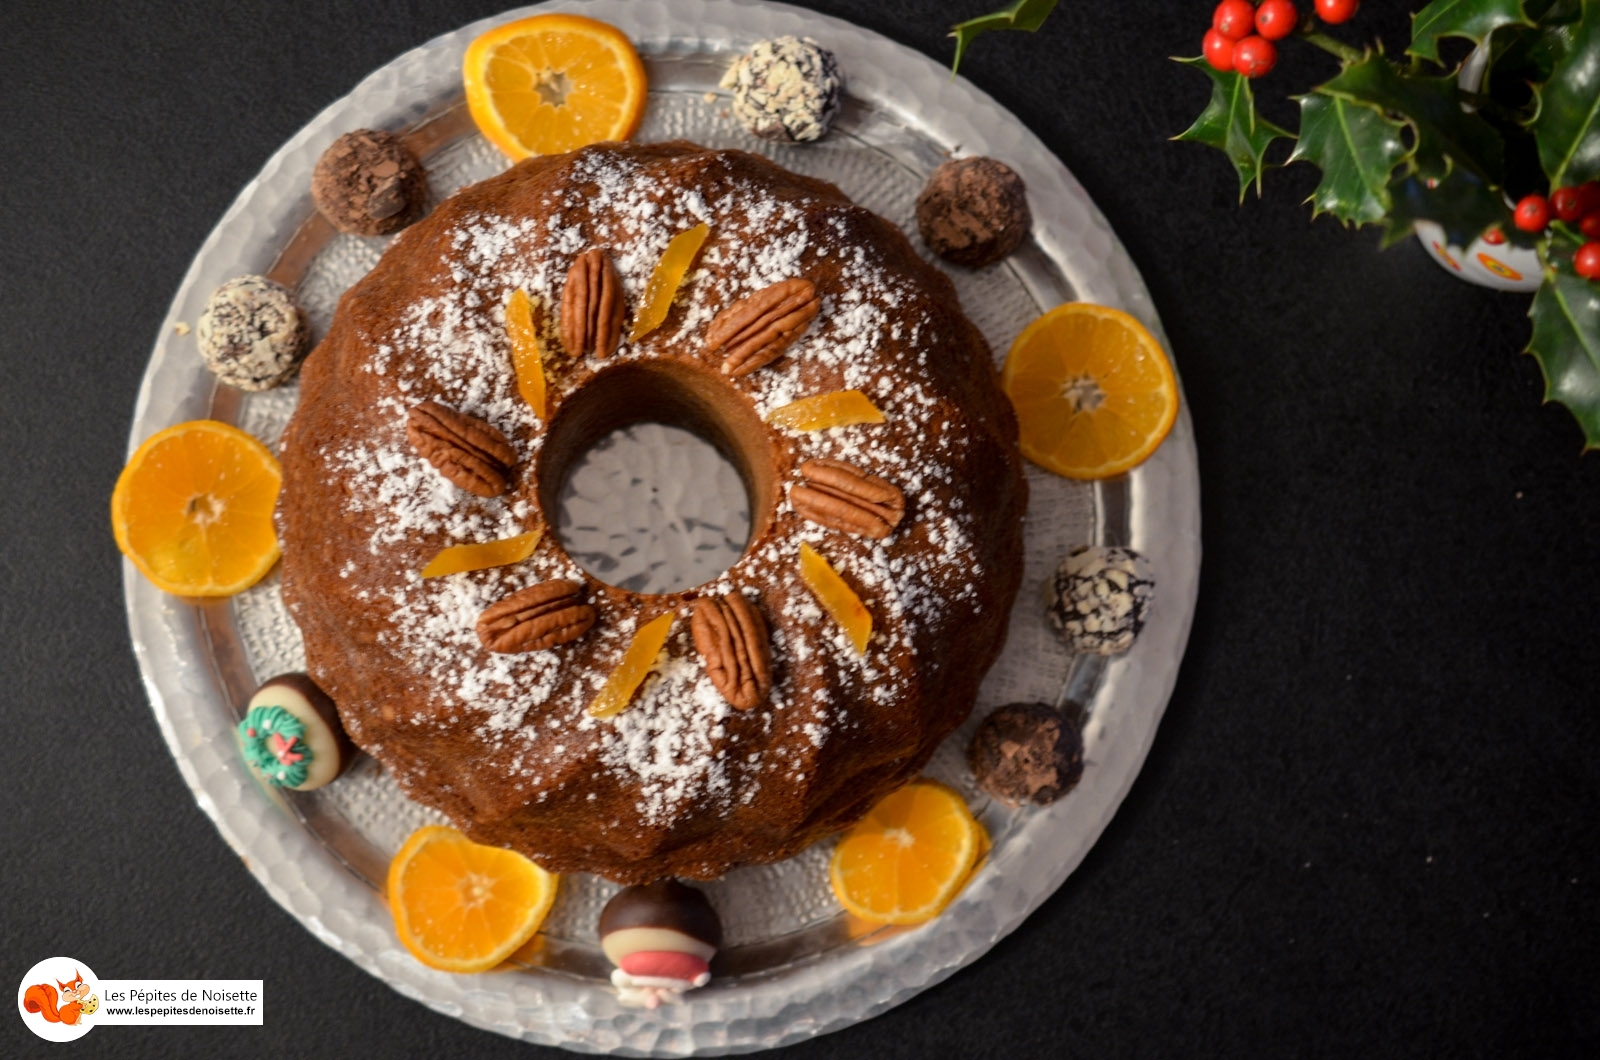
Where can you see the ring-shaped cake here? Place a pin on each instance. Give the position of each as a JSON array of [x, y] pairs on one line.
[[694, 776]]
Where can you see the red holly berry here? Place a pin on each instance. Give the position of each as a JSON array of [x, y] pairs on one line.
[[1586, 262], [1566, 204], [1218, 49], [1276, 19], [1334, 12], [1532, 213], [1234, 19], [1590, 226], [1494, 237], [1588, 198], [1255, 56]]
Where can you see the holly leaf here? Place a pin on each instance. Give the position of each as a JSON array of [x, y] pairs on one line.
[[1460, 203], [1231, 124], [1357, 148], [1472, 19], [1567, 125], [1566, 341], [1445, 135], [1026, 15], [1522, 56]]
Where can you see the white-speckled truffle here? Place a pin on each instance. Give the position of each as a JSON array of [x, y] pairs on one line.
[[787, 88], [251, 334], [1099, 598]]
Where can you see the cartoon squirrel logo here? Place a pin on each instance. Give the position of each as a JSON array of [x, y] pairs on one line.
[[74, 1001]]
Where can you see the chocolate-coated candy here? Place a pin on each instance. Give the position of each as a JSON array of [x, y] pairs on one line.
[[292, 735], [661, 936]]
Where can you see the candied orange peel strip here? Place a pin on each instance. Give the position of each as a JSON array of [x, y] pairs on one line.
[[635, 666], [460, 558], [666, 279], [833, 593], [841, 408], [527, 356]]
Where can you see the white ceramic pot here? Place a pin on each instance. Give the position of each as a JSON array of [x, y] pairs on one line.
[[1502, 266]]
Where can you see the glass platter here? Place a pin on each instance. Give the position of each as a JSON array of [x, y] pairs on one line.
[[794, 964]]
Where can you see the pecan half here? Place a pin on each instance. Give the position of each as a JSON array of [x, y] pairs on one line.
[[731, 637], [540, 616], [591, 306], [463, 448], [754, 331], [843, 497]]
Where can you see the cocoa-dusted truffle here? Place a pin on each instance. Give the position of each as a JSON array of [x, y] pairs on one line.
[[251, 333], [661, 936], [1099, 598], [786, 89], [974, 211], [1026, 752], [368, 183]]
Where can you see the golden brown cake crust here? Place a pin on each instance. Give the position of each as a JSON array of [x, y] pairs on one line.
[[681, 783]]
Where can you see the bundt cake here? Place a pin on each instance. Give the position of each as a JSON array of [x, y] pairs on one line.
[[762, 727]]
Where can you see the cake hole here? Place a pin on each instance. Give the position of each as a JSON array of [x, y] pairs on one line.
[[654, 509], [657, 475]]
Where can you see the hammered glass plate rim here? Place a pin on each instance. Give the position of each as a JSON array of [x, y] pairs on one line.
[[845, 986]]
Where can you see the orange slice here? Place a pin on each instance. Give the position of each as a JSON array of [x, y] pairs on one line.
[[553, 83], [1094, 391], [836, 595], [841, 408], [193, 509], [457, 559], [635, 666], [665, 280], [460, 906], [527, 357], [908, 857]]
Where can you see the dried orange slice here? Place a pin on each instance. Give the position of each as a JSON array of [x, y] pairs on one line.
[[666, 278], [553, 83], [1094, 392], [908, 857], [193, 509], [617, 692], [457, 559], [527, 355], [841, 408], [835, 594], [460, 906]]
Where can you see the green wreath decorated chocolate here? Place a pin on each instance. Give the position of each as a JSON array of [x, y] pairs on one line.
[[291, 734]]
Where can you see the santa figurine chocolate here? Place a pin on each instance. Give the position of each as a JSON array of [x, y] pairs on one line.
[[661, 936]]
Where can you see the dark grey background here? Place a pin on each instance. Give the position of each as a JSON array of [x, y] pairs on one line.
[[1367, 825]]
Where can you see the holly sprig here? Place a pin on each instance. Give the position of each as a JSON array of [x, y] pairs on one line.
[[1026, 15], [1398, 140]]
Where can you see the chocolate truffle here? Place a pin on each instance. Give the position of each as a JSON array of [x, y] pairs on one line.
[[661, 936], [974, 211], [786, 89], [291, 734], [1026, 752], [368, 183], [1099, 598], [251, 333]]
